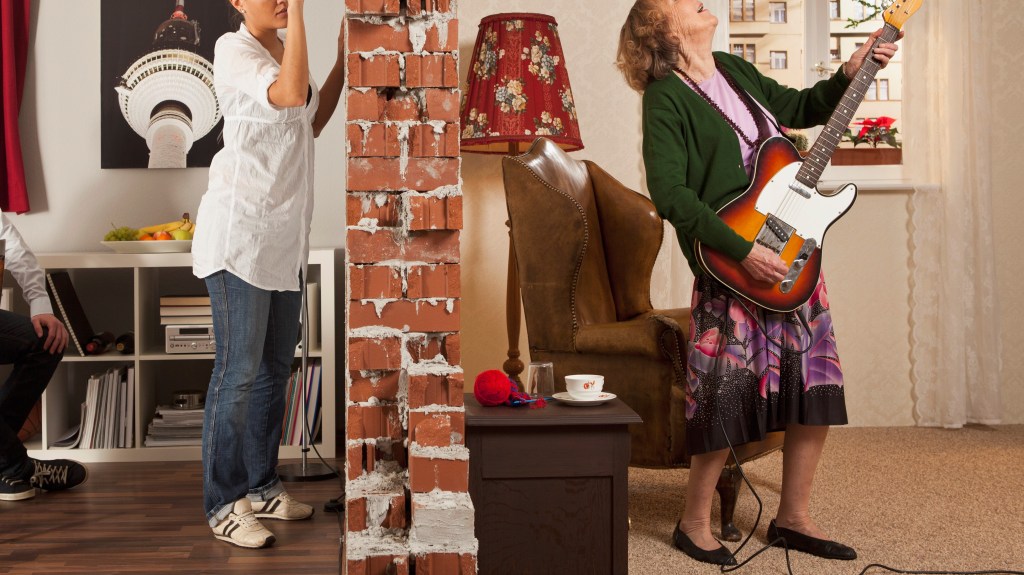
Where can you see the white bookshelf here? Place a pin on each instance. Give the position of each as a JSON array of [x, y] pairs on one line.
[[120, 293]]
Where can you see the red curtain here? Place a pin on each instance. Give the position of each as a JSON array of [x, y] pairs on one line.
[[14, 21]]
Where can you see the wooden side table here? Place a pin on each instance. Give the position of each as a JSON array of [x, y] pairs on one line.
[[550, 487]]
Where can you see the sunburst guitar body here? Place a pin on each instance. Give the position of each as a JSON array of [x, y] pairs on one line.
[[783, 209], [785, 215]]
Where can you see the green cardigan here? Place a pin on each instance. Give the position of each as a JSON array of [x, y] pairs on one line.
[[692, 155]]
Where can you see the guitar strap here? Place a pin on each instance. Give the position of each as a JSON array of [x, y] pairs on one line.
[[755, 110]]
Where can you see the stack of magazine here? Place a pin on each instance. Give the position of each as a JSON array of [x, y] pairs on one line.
[[107, 414], [172, 426]]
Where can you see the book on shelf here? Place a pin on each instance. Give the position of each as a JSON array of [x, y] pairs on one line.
[[66, 304], [176, 310], [107, 417], [291, 427], [187, 320], [184, 300]]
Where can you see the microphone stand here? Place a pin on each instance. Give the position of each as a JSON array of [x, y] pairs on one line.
[[304, 471]]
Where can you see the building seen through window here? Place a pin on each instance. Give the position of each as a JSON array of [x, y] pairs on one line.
[[772, 35]]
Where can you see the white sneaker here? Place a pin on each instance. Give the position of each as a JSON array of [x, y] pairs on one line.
[[282, 506], [242, 528]]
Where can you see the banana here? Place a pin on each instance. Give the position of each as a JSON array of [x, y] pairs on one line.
[[161, 227], [166, 227]]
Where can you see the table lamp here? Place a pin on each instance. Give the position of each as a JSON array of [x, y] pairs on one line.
[[518, 89]]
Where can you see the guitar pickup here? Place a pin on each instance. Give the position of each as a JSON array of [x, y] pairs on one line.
[[798, 265], [774, 234]]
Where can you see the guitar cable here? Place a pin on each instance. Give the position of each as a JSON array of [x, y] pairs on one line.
[[729, 298]]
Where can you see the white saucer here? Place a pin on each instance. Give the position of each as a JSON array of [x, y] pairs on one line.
[[564, 397]]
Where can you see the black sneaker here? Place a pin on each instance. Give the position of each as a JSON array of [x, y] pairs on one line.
[[58, 474], [12, 489]]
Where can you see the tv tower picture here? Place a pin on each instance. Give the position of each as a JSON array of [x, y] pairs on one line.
[[167, 95]]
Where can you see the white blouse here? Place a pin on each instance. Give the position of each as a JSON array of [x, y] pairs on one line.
[[254, 218]]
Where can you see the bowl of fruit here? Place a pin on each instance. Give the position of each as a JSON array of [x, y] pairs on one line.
[[174, 236]]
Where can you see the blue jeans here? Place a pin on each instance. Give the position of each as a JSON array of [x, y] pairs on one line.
[[33, 368], [256, 331]]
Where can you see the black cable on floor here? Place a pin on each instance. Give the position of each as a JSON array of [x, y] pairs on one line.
[[760, 504]]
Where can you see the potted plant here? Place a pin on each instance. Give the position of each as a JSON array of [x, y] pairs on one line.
[[873, 131]]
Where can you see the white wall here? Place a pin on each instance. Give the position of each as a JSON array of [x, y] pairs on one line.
[[1007, 200], [74, 201]]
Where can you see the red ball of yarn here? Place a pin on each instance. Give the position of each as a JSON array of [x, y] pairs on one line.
[[492, 387]]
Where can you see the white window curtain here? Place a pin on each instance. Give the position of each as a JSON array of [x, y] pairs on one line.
[[955, 345]]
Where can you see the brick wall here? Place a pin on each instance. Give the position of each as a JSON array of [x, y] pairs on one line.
[[407, 464]]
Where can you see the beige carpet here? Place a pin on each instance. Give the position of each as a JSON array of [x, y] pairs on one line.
[[909, 498]]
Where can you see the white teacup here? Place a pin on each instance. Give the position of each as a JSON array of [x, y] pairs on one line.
[[584, 386]]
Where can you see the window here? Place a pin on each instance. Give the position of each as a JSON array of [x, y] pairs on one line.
[[777, 12], [742, 10], [778, 59], [745, 51], [818, 38], [862, 11], [883, 89], [872, 92]]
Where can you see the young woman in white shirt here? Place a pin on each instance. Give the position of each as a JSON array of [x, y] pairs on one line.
[[251, 247]]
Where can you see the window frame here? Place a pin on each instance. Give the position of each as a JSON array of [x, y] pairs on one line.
[[772, 54], [747, 8], [773, 10]]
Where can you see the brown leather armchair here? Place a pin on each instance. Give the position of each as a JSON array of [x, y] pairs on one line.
[[585, 247]]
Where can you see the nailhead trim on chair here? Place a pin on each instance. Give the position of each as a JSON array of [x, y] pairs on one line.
[[586, 243]]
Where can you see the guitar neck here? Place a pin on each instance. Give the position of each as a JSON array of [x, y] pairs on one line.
[[828, 141]]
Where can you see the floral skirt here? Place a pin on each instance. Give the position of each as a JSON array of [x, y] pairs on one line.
[[753, 371]]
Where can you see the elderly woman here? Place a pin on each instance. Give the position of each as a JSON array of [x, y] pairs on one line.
[[750, 371]]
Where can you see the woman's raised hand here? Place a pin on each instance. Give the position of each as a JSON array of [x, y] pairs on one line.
[[882, 52], [764, 265]]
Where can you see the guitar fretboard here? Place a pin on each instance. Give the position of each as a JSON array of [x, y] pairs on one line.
[[832, 133]]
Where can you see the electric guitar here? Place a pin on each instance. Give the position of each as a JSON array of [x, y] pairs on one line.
[[783, 209]]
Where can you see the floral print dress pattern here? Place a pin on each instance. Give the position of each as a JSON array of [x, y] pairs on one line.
[[752, 371]]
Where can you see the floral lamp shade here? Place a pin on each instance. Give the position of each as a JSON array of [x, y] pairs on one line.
[[518, 87]]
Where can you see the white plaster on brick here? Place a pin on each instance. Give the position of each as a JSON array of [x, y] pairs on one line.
[[403, 389], [418, 34], [403, 143], [366, 224], [372, 53], [374, 332], [453, 452], [372, 544], [442, 522], [439, 408], [378, 304]]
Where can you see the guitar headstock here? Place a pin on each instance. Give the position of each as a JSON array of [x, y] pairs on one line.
[[896, 14]]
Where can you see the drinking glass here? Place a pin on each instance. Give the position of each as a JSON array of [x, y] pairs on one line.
[[540, 379]]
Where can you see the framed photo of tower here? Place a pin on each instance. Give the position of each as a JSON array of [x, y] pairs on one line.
[[159, 106]]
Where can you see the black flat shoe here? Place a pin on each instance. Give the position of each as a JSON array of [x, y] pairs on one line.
[[720, 556], [800, 542]]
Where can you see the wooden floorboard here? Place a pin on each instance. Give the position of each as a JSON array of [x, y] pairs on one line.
[[147, 518]]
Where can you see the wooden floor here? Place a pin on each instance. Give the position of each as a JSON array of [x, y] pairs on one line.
[[146, 518]]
